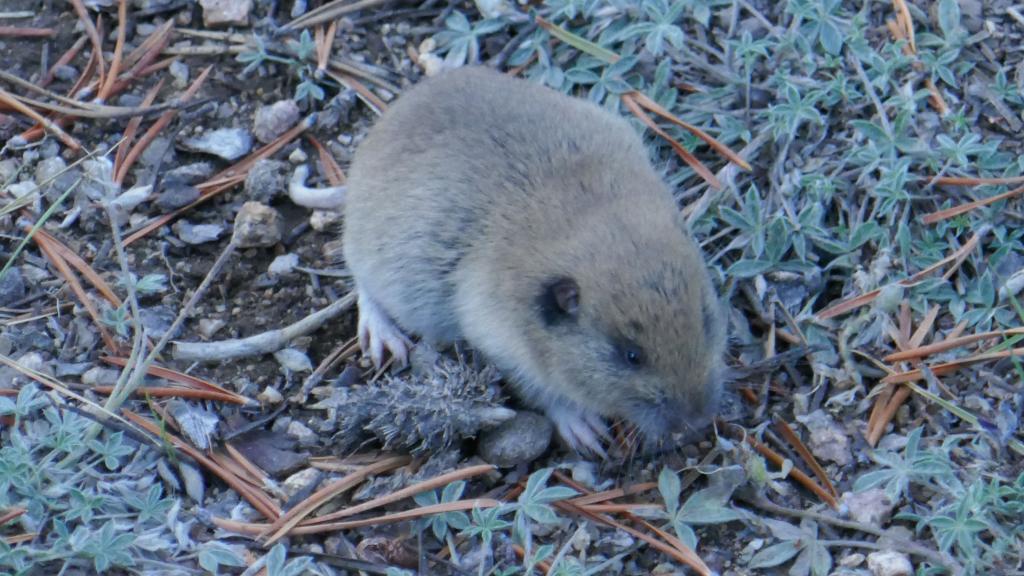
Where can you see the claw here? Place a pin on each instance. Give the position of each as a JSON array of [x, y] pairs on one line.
[[379, 333], [582, 430]]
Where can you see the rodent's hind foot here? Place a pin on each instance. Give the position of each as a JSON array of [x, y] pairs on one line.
[[582, 430], [378, 332]]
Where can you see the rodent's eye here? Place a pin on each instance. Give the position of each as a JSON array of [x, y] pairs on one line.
[[631, 354]]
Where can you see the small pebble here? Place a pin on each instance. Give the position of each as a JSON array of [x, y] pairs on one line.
[[283, 265], [325, 220], [266, 180], [298, 156], [302, 433], [517, 441], [852, 560], [828, 441], [227, 143], [257, 225], [176, 194], [270, 396], [209, 326], [226, 12], [99, 376], [871, 507], [300, 481], [197, 233], [293, 360], [190, 173], [889, 563], [273, 120], [12, 287], [179, 72]]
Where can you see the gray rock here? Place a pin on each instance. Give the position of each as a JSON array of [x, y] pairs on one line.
[[157, 320], [12, 287], [890, 563], [517, 441], [302, 433], [272, 121], [293, 360], [273, 452], [226, 12], [176, 194], [871, 507], [257, 226], [266, 180], [227, 143], [197, 233], [209, 326], [283, 265], [179, 71], [49, 177], [828, 441], [190, 173]]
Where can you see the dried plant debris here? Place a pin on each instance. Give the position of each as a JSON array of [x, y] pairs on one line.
[[420, 411]]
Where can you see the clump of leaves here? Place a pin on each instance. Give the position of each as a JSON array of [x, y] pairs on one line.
[[976, 519], [95, 506], [295, 55], [510, 522]]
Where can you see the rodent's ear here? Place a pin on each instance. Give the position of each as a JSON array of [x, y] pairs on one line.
[[559, 300]]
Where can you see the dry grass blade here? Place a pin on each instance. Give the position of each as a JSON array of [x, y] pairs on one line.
[[283, 525], [257, 499], [18, 32], [920, 352], [432, 484], [790, 436], [951, 366], [171, 392], [906, 24], [324, 43], [93, 34], [64, 60], [82, 266], [115, 65], [686, 556], [722, 149], [798, 475], [253, 529], [578, 42], [20, 538], [683, 153], [259, 477], [364, 93], [58, 387], [598, 497], [194, 382], [158, 126], [973, 181], [668, 543], [954, 211], [335, 175], [132, 129], [956, 257], [52, 254], [8, 99], [11, 514], [330, 11]]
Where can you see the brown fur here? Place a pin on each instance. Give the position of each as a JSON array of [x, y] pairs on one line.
[[475, 190]]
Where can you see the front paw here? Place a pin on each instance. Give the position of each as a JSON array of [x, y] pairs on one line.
[[581, 429]]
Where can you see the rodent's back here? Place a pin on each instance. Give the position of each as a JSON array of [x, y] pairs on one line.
[[476, 193], [460, 153]]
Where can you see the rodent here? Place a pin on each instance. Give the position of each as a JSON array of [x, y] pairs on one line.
[[532, 225]]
